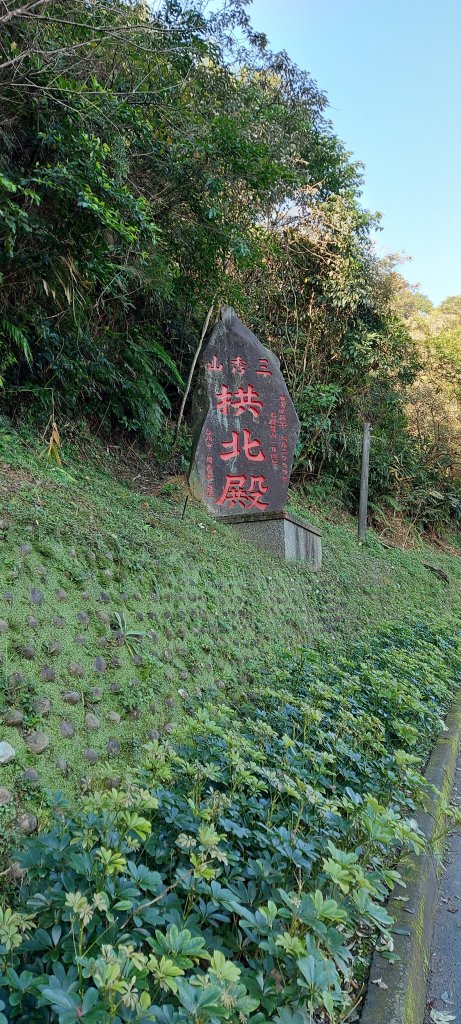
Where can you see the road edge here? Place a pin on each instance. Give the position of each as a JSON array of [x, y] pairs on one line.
[[404, 999]]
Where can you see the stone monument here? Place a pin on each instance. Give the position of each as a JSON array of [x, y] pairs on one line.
[[246, 429]]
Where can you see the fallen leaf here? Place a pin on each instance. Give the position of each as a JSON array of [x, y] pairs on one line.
[[446, 999], [393, 958], [379, 982], [441, 1016]]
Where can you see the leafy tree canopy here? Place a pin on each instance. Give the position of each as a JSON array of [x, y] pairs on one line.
[[158, 159]]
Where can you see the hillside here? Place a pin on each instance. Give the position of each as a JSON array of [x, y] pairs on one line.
[[195, 735], [211, 761], [121, 613]]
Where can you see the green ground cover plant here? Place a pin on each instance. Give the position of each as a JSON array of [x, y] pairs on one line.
[[240, 870]]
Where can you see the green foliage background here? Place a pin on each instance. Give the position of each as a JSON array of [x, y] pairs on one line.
[[157, 159]]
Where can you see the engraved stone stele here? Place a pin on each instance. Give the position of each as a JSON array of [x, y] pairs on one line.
[[246, 427], [245, 434]]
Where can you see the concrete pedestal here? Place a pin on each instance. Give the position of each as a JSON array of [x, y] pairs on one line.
[[282, 535]]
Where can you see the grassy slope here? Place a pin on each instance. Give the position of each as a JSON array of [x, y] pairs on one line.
[[220, 611]]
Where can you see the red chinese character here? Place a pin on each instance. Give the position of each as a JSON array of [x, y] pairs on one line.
[[239, 401], [239, 365], [257, 488], [264, 370], [224, 397], [248, 399], [282, 411], [234, 492], [233, 447], [249, 444], [214, 366]]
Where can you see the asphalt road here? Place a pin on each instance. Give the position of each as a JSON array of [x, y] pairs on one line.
[[444, 985]]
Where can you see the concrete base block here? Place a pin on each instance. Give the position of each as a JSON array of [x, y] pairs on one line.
[[282, 535]]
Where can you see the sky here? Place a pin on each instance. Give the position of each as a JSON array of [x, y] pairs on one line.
[[392, 73]]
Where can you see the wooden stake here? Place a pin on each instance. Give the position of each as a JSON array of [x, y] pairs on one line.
[[194, 363], [363, 504]]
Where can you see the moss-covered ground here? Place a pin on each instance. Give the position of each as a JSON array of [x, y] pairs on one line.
[[137, 604]]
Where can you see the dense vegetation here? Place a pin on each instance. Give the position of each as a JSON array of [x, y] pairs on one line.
[[434, 406], [156, 160], [240, 871]]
